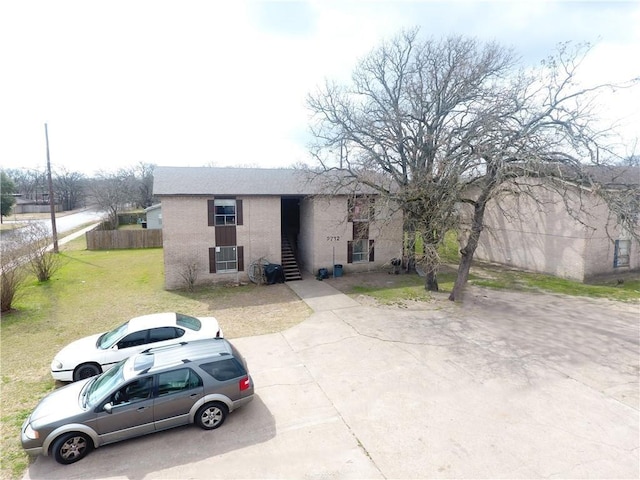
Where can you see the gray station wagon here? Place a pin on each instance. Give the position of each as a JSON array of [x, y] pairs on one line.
[[190, 382]]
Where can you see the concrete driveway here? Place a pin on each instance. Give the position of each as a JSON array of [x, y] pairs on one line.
[[508, 385]]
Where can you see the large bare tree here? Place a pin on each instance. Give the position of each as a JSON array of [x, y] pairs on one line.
[[432, 125]]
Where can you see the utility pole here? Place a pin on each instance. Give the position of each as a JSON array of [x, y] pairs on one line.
[[52, 202]]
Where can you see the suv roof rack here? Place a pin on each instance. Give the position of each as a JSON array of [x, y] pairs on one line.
[[183, 352]]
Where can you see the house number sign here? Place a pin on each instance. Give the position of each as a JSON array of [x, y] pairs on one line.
[[335, 238]]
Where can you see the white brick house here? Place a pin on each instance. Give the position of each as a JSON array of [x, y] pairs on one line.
[[221, 220]]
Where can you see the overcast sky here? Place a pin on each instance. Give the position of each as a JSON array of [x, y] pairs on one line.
[[193, 83]]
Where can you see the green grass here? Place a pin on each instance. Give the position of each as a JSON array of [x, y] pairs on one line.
[[93, 291]]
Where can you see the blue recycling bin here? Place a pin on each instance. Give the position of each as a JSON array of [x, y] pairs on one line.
[[337, 270]]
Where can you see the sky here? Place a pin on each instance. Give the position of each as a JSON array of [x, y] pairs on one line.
[[224, 83]]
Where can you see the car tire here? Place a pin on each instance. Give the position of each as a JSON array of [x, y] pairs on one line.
[[71, 447], [211, 415], [86, 370]]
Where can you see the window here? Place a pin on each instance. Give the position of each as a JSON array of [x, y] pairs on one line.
[[164, 333], [177, 381], [361, 209], [135, 391], [187, 321], [226, 259], [134, 339], [361, 250], [225, 212], [223, 370], [621, 253]]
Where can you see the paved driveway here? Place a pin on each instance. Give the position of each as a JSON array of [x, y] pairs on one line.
[[506, 386]]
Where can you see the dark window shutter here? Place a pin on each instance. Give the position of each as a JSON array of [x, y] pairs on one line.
[[615, 253], [349, 251], [240, 252], [372, 209], [238, 212], [350, 205], [212, 260], [371, 256], [211, 213]]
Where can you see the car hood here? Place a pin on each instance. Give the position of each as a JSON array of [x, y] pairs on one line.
[[86, 345], [61, 404]]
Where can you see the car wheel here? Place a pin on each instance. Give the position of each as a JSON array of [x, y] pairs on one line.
[[211, 415], [86, 370], [71, 447]]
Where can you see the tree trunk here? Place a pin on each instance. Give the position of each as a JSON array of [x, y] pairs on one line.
[[467, 252], [431, 281]]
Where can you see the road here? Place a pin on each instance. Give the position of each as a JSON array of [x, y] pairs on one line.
[[69, 222]]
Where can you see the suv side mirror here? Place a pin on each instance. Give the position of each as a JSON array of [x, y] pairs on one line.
[[108, 407]]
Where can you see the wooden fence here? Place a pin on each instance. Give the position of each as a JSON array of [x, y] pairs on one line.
[[115, 239]]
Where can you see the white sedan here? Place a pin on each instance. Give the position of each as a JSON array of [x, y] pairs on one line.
[[94, 354]]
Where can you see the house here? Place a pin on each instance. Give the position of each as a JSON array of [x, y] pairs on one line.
[[219, 223], [154, 216], [569, 232]]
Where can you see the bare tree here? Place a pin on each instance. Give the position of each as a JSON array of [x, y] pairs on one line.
[[434, 125], [143, 190], [112, 192], [30, 184], [70, 189], [189, 273], [12, 276], [33, 251]]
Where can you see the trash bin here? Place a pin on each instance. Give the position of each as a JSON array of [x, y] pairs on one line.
[[323, 273], [337, 270], [274, 273]]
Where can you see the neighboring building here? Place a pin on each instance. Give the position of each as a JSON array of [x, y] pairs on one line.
[[154, 216], [221, 221], [570, 233]]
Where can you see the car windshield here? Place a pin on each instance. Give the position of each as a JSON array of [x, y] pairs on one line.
[[186, 321], [108, 339], [103, 384]]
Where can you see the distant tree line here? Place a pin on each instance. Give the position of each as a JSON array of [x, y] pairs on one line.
[[109, 191]]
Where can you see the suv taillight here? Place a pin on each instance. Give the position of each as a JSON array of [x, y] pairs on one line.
[[244, 383]]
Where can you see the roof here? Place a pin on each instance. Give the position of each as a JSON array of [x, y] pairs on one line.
[[153, 207], [177, 353], [614, 175], [152, 320], [243, 181]]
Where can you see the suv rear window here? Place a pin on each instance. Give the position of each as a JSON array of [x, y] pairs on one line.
[[187, 321], [224, 369]]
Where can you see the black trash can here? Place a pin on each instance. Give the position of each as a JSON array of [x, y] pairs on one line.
[[273, 273]]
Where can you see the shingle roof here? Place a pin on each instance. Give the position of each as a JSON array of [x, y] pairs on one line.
[[239, 181]]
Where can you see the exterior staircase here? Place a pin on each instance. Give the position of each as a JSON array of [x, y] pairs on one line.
[[289, 264]]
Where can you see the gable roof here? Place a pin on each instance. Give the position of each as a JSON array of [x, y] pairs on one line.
[[243, 181]]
